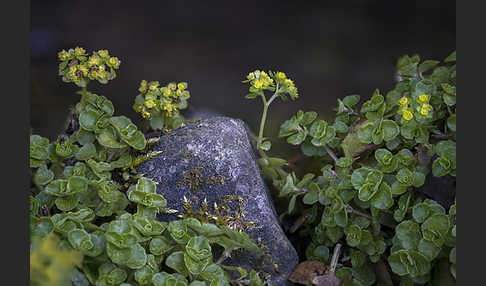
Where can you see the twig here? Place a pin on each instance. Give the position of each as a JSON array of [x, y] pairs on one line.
[[223, 256], [356, 212], [331, 153], [335, 257], [299, 222]]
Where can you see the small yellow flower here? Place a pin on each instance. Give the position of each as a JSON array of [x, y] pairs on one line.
[[93, 61], [103, 53], [172, 86], [102, 68], [289, 82], [180, 86], [153, 85], [425, 109], [423, 98], [146, 114], [258, 83], [251, 76], [403, 101], [114, 61], [79, 51], [281, 75], [143, 86], [101, 73], [407, 115], [94, 74], [169, 107], [83, 69], [166, 92], [63, 55], [150, 103]]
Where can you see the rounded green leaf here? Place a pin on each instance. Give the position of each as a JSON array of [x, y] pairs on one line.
[[390, 130], [408, 232], [43, 176], [176, 262], [435, 228], [383, 198]]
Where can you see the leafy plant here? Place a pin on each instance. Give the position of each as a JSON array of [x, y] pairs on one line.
[[93, 220], [372, 159]]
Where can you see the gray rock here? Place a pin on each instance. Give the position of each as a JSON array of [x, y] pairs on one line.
[[213, 159]]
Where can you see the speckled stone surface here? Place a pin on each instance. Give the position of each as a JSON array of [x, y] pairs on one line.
[[210, 160]]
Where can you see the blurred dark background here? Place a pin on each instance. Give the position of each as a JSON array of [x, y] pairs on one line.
[[330, 49]]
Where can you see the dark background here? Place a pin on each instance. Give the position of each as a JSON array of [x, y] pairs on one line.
[[329, 49]]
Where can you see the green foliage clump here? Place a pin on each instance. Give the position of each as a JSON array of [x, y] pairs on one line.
[[93, 220], [371, 159]]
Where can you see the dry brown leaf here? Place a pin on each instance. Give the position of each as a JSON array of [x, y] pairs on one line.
[[306, 271]]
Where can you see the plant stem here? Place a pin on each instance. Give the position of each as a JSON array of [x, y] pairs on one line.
[[264, 118]]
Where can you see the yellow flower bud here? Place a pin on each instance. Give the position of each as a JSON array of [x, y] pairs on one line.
[[166, 92], [172, 86], [281, 75], [113, 61], [425, 109], [407, 115], [146, 114], [94, 74], [79, 51], [180, 86], [423, 98], [403, 101], [63, 55], [150, 103], [103, 53]]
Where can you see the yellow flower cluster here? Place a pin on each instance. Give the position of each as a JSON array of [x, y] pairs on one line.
[[161, 99], [77, 67], [260, 79], [404, 110], [424, 108]]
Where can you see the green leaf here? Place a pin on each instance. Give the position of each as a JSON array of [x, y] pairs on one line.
[[351, 100], [321, 252], [86, 152], [195, 266], [266, 145], [159, 245], [107, 138], [390, 130], [353, 235], [409, 262], [128, 132], [374, 103], [427, 65], [383, 198], [420, 212], [308, 117], [408, 232], [405, 176], [297, 138], [428, 249], [43, 176], [435, 228], [365, 131], [451, 122], [88, 119], [157, 122], [344, 162], [451, 57], [313, 195], [318, 129]]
